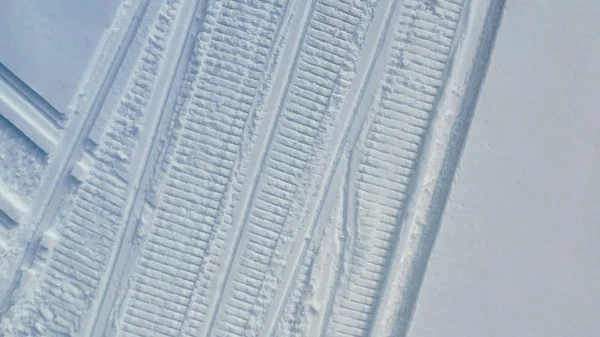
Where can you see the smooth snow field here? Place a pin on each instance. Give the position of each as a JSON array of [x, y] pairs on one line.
[[517, 252], [281, 168]]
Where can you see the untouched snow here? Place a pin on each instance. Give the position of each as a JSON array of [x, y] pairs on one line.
[[49, 44], [517, 253]]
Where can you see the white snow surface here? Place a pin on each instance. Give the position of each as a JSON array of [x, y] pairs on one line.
[[517, 252], [49, 44], [280, 167]]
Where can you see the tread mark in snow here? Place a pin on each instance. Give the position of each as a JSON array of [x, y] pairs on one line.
[[97, 213], [389, 153], [57, 181], [201, 197]]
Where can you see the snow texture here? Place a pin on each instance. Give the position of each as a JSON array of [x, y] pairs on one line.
[[48, 44], [517, 253], [228, 167]]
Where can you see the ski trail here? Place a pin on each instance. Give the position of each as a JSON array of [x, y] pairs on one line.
[[83, 248], [56, 178], [301, 11], [26, 115], [200, 165], [199, 195], [388, 13], [440, 157], [389, 152], [366, 69], [306, 135]]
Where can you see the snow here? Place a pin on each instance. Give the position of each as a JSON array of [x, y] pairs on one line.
[[81, 169], [23, 115], [3, 247], [49, 43], [12, 205], [50, 239], [517, 251], [254, 168]]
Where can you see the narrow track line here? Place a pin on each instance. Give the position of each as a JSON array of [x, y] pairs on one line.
[[298, 12]]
